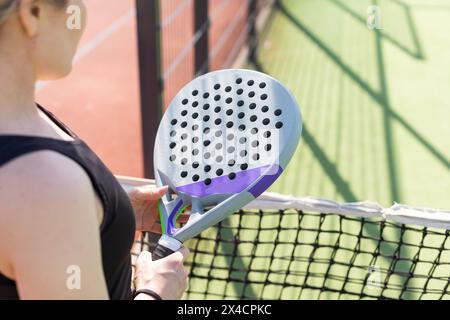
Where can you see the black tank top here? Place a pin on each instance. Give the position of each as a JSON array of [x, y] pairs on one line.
[[118, 226]]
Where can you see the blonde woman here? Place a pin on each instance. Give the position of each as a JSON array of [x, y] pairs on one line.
[[66, 225]]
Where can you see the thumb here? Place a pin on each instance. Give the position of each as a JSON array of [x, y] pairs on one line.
[[144, 257]]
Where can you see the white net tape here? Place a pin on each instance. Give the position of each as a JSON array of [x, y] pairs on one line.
[[404, 214]]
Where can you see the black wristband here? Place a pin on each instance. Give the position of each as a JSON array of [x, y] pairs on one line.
[[148, 292]]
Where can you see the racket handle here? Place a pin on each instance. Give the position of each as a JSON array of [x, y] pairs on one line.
[[161, 252], [165, 247]]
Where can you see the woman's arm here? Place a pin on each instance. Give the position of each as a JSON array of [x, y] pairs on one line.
[[49, 229]]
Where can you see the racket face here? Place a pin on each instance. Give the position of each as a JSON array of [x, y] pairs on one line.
[[226, 133]]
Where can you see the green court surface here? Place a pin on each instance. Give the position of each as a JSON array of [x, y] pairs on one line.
[[376, 110], [376, 103]]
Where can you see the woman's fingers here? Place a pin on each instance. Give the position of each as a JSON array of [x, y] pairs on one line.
[[184, 252], [150, 192], [144, 257], [167, 276]]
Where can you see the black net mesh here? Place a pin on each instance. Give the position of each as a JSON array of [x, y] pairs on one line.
[[297, 255]]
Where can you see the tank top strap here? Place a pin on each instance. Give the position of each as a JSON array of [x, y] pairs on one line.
[[58, 122]]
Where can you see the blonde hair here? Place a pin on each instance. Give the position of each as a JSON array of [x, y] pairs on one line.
[[6, 8]]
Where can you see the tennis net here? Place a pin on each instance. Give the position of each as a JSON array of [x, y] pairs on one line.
[[280, 247]]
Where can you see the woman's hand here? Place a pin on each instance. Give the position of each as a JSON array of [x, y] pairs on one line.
[[145, 204], [167, 277]]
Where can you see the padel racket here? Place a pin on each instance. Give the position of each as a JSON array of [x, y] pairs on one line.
[[225, 138]]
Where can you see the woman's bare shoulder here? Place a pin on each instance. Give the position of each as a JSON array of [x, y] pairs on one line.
[[42, 182], [42, 172]]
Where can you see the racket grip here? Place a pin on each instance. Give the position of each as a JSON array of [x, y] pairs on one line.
[[165, 247], [161, 252]]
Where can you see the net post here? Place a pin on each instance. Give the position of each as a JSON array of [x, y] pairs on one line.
[[201, 28], [151, 84], [252, 29]]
